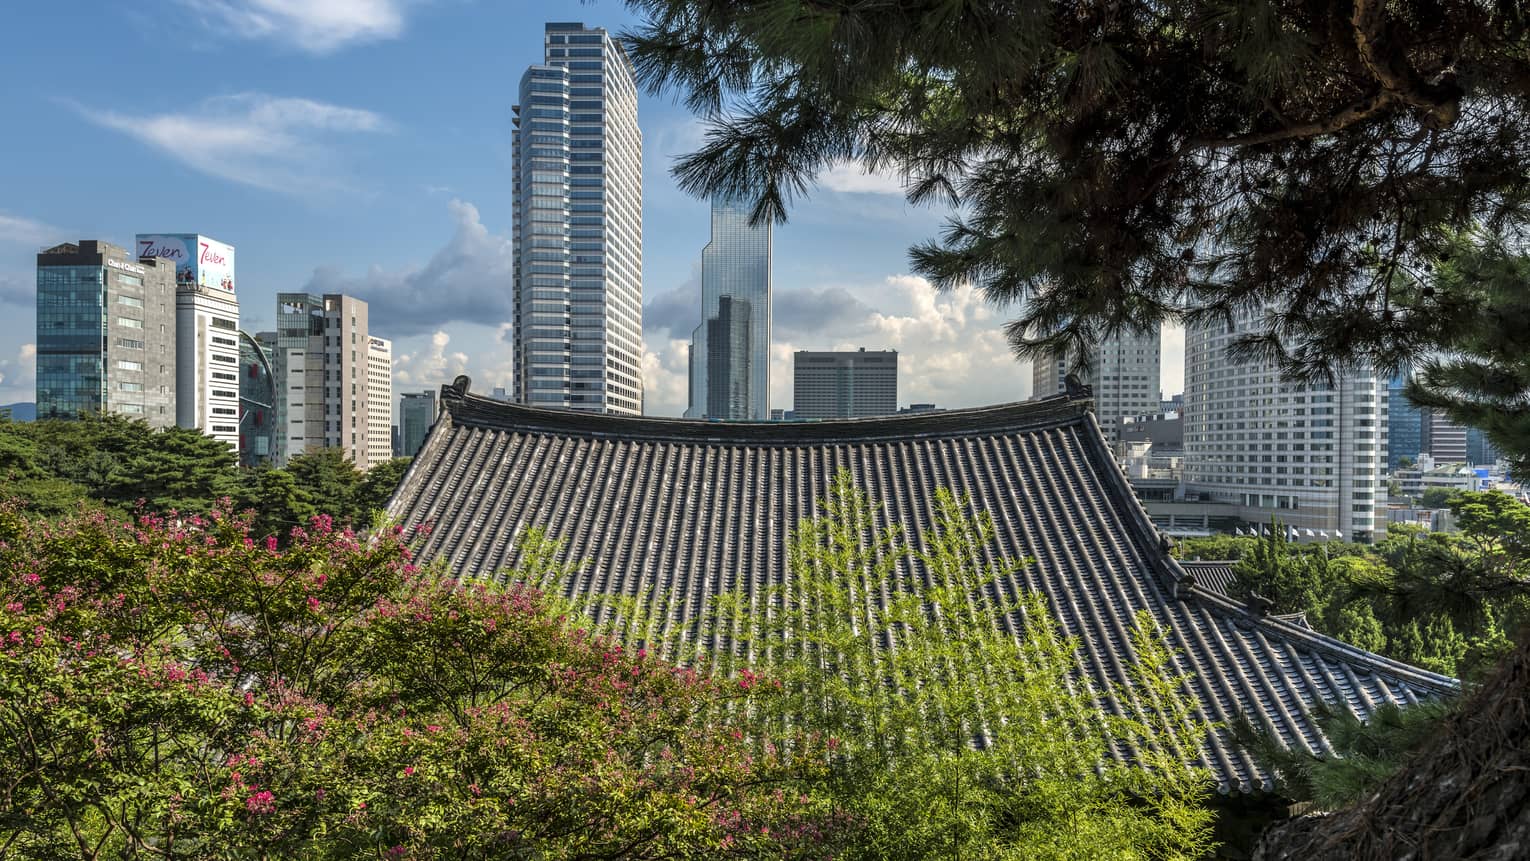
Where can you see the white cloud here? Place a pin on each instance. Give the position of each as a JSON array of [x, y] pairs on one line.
[[847, 176], [468, 280], [278, 144], [26, 231], [430, 366], [18, 377], [666, 382], [314, 26], [1173, 365]]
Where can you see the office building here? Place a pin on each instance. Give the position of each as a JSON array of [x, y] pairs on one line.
[[1443, 439], [844, 385], [1405, 425], [105, 333], [379, 400], [1124, 376], [417, 412], [257, 400], [329, 379], [578, 227], [206, 331], [1311, 456], [730, 349]]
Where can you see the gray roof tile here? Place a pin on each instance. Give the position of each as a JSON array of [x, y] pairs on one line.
[[687, 509]]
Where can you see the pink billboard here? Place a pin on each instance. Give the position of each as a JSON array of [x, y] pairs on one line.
[[199, 261]]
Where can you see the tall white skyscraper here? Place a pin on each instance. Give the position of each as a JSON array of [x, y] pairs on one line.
[[1125, 378], [730, 350], [206, 331], [379, 400], [578, 227], [1312, 456]]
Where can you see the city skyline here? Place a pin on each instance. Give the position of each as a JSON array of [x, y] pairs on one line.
[[376, 162]]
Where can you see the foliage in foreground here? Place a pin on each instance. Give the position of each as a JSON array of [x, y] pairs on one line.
[[967, 735], [188, 692]]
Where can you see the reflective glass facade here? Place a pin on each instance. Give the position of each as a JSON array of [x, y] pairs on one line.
[[578, 227], [1405, 425], [730, 350], [105, 334]]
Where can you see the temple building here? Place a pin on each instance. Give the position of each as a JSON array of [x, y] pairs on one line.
[[676, 511]]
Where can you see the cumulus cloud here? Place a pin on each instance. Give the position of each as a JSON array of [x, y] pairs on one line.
[[314, 26], [1173, 346], [430, 366], [468, 280], [276, 144], [18, 376], [809, 312], [675, 311]]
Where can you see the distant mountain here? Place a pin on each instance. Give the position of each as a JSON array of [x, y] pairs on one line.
[[26, 411]]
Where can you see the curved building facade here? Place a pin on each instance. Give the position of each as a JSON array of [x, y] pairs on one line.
[[675, 512]]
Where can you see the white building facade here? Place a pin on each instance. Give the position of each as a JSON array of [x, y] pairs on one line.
[[379, 400], [578, 227], [1126, 378], [206, 331], [329, 380], [1311, 456]]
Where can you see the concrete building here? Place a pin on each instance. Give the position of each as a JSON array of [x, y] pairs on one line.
[[1443, 439], [1125, 377], [417, 412], [844, 385], [730, 349], [328, 379], [379, 400], [105, 333], [578, 227], [207, 331], [1311, 455]]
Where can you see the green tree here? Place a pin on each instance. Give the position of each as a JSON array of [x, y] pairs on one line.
[[275, 500], [377, 487], [175, 468], [966, 734], [331, 479], [1115, 164]]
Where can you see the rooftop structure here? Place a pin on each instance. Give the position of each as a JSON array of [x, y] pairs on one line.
[[677, 511]]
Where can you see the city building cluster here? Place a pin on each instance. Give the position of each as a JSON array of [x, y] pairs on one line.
[[154, 332]]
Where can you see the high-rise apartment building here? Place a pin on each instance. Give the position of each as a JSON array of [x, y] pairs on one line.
[[379, 400], [1125, 378], [327, 372], [206, 331], [105, 333], [730, 349], [578, 227], [417, 412], [1311, 456], [844, 385]]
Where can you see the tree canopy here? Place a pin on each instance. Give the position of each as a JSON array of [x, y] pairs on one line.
[[1116, 163]]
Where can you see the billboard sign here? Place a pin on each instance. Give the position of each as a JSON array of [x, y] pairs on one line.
[[199, 261]]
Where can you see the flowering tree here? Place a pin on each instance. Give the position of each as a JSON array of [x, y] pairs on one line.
[[172, 688]]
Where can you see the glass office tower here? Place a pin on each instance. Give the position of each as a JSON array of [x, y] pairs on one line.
[[578, 227], [730, 350]]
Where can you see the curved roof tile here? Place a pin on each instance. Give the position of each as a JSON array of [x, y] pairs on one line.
[[687, 509]]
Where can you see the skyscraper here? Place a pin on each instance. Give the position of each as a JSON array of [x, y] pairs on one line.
[[105, 333], [844, 385], [1125, 378], [578, 227], [1405, 424], [730, 350], [1312, 456], [329, 383], [417, 412], [206, 331]]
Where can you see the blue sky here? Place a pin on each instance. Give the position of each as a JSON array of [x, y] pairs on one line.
[[364, 146]]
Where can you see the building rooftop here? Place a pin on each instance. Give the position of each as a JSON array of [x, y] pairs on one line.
[[678, 511]]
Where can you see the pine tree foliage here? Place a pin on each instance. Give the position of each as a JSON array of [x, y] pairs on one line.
[[1115, 163], [1480, 313]]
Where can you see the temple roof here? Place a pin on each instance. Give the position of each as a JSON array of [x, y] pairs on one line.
[[688, 509]]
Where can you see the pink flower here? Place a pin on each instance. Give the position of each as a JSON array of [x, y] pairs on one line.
[[408, 770], [271, 543], [262, 802], [313, 603]]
